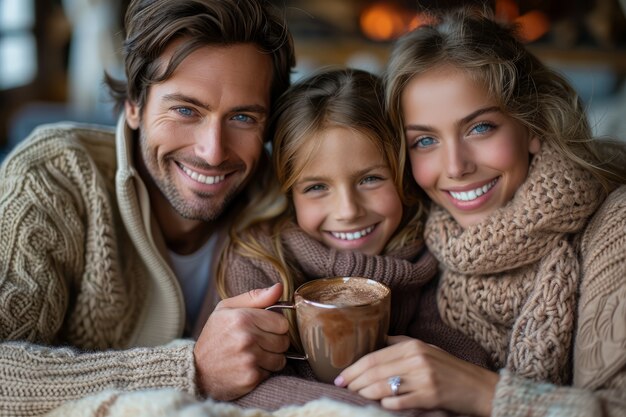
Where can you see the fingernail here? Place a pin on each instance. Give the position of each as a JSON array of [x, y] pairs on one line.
[[339, 381], [269, 288]]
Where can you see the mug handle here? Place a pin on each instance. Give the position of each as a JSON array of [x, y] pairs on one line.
[[287, 305]]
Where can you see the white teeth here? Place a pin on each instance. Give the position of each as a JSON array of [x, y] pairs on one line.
[[473, 194], [353, 236], [204, 179]]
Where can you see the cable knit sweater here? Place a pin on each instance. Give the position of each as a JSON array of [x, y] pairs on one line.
[[541, 285], [80, 267]]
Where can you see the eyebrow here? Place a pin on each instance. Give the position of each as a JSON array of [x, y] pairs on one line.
[[356, 174], [464, 120], [252, 108]]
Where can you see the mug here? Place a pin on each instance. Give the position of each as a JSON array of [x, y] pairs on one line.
[[339, 320]]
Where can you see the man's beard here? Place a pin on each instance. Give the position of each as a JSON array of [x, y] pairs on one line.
[[208, 212], [205, 207]]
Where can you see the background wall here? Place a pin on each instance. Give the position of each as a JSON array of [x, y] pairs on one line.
[[53, 52]]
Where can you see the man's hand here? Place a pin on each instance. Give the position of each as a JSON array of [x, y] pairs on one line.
[[241, 344]]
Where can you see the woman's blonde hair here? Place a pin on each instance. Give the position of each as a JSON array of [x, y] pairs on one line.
[[524, 88], [347, 98]]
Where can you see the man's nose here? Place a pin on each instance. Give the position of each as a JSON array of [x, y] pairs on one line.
[[211, 144]]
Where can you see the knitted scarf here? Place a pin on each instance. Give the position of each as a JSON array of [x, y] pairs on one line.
[[510, 282]]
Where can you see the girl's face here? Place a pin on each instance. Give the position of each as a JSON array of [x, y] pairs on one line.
[[467, 155], [345, 197]]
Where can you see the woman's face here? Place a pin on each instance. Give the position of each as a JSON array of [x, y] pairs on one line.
[[345, 197], [467, 155]]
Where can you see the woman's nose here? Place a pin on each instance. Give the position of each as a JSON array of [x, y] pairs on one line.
[[459, 161]]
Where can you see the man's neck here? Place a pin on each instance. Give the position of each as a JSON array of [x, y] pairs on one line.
[[182, 236]]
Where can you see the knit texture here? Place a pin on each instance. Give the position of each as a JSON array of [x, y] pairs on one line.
[[36, 379], [74, 289], [600, 349], [519, 397], [511, 281], [60, 244]]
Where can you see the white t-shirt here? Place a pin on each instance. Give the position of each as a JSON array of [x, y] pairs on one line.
[[193, 273]]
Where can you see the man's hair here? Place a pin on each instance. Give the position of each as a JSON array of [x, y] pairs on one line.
[[151, 25]]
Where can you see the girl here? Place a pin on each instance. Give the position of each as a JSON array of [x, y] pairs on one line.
[[336, 161], [347, 212], [528, 223]]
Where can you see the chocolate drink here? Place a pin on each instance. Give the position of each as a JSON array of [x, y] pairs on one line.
[[350, 293], [340, 320]]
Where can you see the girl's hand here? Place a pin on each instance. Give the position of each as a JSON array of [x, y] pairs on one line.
[[430, 378]]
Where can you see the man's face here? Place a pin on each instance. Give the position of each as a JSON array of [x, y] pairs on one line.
[[201, 130]]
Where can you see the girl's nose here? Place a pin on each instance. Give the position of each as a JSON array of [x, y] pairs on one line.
[[348, 206]]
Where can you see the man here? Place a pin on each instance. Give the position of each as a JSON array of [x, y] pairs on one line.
[[108, 238]]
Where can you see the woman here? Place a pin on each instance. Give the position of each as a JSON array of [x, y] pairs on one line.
[[528, 223]]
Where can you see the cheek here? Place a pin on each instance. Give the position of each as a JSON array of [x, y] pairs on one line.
[[250, 159], [508, 158], [307, 216], [425, 172]]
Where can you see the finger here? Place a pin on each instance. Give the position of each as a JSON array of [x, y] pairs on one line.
[[394, 340], [368, 363], [272, 362], [257, 298], [273, 343], [381, 388], [410, 399], [269, 321], [379, 376]]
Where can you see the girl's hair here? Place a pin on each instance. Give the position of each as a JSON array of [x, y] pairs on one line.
[[524, 88], [346, 98]]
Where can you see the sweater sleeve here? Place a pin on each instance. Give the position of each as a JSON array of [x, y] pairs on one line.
[[519, 397], [599, 386], [36, 379], [61, 284]]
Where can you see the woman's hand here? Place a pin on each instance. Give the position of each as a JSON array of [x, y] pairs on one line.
[[430, 378]]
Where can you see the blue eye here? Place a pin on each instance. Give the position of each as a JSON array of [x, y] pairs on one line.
[[425, 142], [483, 127], [242, 118], [315, 187], [370, 179], [184, 111]]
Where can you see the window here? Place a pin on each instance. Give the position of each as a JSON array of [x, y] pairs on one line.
[[18, 50]]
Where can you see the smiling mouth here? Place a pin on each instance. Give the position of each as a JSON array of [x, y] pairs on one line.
[[201, 178], [353, 235], [473, 194]]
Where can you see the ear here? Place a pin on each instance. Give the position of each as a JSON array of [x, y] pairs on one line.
[[534, 145], [132, 114]]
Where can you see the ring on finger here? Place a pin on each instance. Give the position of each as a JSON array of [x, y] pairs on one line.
[[394, 384]]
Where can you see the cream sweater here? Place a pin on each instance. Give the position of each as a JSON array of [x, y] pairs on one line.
[[80, 266]]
